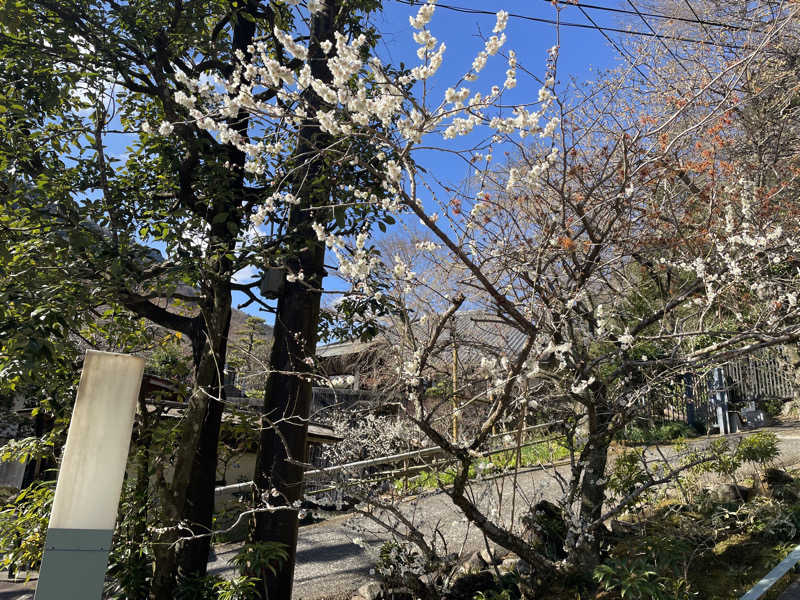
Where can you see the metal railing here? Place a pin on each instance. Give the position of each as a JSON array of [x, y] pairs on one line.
[[773, 576], [405, 458], [406, 471]]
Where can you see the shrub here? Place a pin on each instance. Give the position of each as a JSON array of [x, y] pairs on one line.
[[760, 449], [665, 432], [212, 587], [627, 474], [259, 557], [634, 580], [23, 527], [507, 588]]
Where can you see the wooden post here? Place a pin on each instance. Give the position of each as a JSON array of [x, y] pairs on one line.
[[491, 401], [455, 385]]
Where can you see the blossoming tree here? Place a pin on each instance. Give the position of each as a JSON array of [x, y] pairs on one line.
[[100, 153], [617, 275]]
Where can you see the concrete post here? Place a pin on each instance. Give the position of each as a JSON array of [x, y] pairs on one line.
[[90, 478]]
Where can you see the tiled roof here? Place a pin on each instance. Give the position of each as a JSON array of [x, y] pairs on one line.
[[478, 330], [344, 348], [485, 332]]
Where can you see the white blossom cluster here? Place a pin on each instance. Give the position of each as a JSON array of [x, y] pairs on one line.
[[748, 253], [362, 99]]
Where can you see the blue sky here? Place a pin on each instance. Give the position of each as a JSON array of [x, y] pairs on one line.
[[581, 49]]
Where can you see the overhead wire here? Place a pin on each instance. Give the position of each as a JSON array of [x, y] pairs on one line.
[[667, 48], [616, 47], [696, 16], [602, 29], [697, 20]]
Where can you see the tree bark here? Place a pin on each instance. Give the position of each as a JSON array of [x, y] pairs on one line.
[[287, 399], [793, 355], [278, 476], [189, 497], [199, 503], [585, 536]]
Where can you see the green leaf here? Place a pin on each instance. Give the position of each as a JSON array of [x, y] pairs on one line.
[[339, 216]]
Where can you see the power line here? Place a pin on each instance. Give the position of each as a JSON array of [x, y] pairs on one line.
[[696, 16], [616, 47], [696, 21], [667, 48], [602, 29]]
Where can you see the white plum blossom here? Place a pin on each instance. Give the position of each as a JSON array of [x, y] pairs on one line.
[[580, 386], [394, 171], [550, 128], [360, 94], [494, 43], [342, 381], [502, 21], [293, 47], [511, 72], [423, 15], [293, 277], [626, 339]]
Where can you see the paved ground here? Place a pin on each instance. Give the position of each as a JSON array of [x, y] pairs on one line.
[[792, 592], [329, 563]]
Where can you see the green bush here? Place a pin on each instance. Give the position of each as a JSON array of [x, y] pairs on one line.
[[213, 587], [254, 558], [627, 474], [259, 557], [197, 588], [545, 452], [665, 432], [507, 588], [633, 580], [760, 448], [772, 406], [23, 527]]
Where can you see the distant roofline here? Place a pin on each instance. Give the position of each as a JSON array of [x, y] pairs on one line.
[[344, 348]]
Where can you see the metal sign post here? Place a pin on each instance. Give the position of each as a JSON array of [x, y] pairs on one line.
[[90, 478], [720, 400]]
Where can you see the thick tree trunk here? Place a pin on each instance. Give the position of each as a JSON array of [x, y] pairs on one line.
[[279, 476], [189, 497], [199, 503], [282, 445], [792, 352], [585, 533]]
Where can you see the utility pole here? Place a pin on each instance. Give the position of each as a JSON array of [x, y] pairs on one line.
[[455, 381]]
